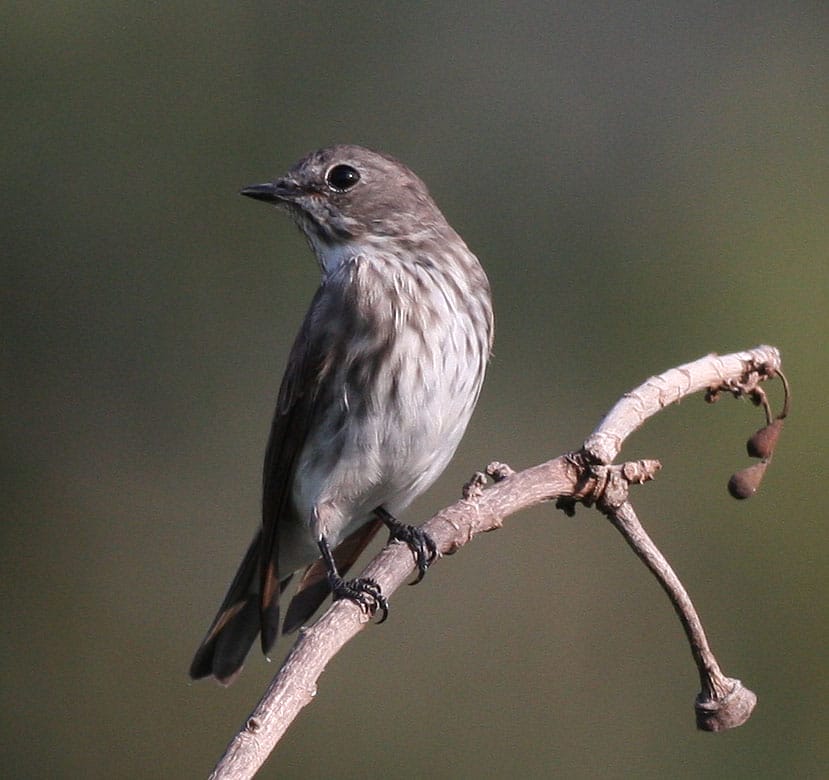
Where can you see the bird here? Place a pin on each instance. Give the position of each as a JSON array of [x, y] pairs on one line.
[[379, 387]]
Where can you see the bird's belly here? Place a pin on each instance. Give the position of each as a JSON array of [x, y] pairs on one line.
[[384, 455]]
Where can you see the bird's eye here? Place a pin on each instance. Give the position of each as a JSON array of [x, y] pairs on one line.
[[342, 177]]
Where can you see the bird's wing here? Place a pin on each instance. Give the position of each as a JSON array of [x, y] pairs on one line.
[[292, 420]]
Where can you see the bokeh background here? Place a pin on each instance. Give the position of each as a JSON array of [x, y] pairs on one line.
[[645, 183]]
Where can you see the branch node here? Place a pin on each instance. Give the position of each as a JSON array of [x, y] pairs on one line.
[[637, 472], [474, 488], [746, 385], [611, 484], [499, 471], [614, 491]]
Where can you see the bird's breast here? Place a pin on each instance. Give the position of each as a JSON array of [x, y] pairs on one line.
[[405, 359]]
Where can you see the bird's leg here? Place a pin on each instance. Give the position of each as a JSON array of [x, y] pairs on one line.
[[420, 543], [364, 591]]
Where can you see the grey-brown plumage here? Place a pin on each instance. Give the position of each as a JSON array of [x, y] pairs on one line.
[[379, 387]]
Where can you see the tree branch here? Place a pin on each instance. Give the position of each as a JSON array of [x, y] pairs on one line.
[[585, 476]]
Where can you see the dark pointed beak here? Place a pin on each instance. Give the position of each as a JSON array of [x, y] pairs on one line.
[[272, 192]]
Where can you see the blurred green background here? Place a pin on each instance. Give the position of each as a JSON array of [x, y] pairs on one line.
[[645, 183]]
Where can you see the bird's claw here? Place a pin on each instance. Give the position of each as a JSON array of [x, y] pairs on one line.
[[422, 545], [364, 592]]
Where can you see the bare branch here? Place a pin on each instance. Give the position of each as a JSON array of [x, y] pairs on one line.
[[585, 476], [737, 373]]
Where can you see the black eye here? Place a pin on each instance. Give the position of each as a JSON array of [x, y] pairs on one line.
[[342, 177]]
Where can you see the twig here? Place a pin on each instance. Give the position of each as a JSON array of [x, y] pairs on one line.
[[585, 476]]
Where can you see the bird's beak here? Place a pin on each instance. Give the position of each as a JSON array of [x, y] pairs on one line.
[[277, 191]]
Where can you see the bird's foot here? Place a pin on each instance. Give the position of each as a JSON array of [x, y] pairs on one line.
[[363, 591], [422, 545]]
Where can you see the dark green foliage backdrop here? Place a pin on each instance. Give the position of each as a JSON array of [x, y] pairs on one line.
[[645, 183]]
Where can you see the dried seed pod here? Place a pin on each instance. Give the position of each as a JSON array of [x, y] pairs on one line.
[[763, 442], [745, 483]]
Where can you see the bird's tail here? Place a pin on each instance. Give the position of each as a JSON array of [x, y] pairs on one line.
[[235, 627]]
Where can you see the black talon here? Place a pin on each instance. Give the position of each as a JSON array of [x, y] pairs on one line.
[[422, 545], [363, 591]]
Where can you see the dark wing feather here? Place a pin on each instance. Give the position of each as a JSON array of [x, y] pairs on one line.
[[291, 422]]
